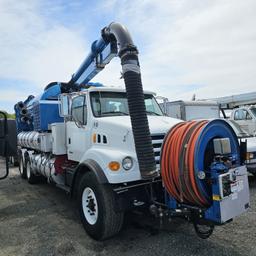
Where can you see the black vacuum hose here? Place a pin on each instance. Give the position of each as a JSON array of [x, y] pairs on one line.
[[132, 77]]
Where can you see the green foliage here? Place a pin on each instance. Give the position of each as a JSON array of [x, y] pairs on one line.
[[11, 116]]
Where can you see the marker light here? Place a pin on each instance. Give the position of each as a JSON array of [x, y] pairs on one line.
[[114, 166]]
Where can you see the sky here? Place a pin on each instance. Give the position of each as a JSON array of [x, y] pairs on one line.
[[206, 48]]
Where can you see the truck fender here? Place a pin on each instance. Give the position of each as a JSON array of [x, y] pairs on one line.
[[88, 165]]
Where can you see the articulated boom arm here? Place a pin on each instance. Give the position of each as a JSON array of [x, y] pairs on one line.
[[116, 40], [102, 52]]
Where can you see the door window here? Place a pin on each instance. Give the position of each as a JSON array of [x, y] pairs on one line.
[[239, 114], [247, 115], [79, 110]]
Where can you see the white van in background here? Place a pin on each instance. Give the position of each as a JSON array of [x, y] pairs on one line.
[[191, 110], [245, 117]]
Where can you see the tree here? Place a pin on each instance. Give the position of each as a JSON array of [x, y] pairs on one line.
[[11, 116]]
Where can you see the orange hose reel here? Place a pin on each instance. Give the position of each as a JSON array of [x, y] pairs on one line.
[[177, 163]]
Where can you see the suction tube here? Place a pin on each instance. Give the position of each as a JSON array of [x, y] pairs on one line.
[[23, 111], [128, 54], [20, 105]]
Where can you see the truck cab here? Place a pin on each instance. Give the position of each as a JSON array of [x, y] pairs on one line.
[[246, 117], [98, 126]]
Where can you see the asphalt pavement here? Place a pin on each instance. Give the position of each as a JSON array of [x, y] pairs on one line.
[[42, 220]]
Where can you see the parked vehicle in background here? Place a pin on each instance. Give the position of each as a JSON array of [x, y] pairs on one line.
[[242, 120], [251, 155], [191, 110], [246, 117], [251, 146]]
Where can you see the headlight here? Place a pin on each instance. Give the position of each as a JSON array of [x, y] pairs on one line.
[[127, 163]]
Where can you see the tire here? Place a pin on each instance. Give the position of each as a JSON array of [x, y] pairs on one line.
[[252, 171], [22, 168], [99, 219], [15, 161], [11, 160], [31, 177]]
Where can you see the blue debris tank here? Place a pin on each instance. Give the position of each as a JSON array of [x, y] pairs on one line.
[[36, 113]]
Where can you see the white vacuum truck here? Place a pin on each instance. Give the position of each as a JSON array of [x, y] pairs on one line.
[[114, 149]]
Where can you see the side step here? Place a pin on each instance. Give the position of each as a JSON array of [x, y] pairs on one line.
[[68, 179], [69, 175]]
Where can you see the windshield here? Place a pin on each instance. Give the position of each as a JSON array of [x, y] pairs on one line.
[[115, 104], [253, 109]]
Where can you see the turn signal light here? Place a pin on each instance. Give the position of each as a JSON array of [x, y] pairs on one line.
[[114, 166], [94, 138]]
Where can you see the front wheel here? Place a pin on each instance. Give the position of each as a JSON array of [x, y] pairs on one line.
[[97, 207]]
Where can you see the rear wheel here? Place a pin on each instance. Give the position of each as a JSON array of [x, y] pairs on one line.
[[97, 207], [32, 178], [22, 168], [15, 161]]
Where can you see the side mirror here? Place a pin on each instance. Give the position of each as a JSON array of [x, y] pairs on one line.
[[64, 105]]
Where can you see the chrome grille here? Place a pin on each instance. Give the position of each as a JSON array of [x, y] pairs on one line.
[[157, 140]]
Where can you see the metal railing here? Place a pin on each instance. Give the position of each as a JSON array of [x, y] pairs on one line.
[[4, 142]]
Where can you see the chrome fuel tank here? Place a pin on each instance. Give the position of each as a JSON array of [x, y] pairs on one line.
[[35, 140]]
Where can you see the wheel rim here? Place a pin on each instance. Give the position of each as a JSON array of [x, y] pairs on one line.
[[90, 206], [21, 167], [28, 170]]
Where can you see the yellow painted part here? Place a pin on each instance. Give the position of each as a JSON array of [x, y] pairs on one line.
[[216, 198], [94, 138]]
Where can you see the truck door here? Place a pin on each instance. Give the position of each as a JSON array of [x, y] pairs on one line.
[[250, 122], [252, 112], [78, 133], [244, 119]]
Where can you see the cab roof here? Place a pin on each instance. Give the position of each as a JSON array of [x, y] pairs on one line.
[[112, 89]]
